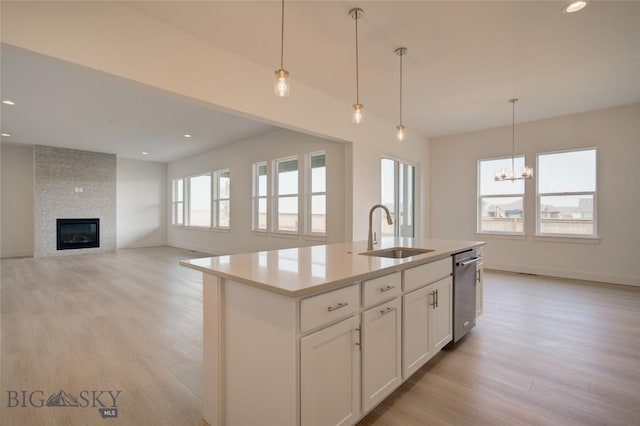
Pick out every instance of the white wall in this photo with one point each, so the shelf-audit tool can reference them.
(141, 203)
(16, 227)
(616, 135)
(83, 33)
(239, 158)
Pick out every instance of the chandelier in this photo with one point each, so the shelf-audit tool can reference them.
(527, 172)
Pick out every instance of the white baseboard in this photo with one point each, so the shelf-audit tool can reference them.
(561, 273)
(194, 248)
(13, 254)
(142, 245)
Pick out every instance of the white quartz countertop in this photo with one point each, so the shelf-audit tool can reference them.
(303, 271)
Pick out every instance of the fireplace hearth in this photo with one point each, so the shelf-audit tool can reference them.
(77, 233)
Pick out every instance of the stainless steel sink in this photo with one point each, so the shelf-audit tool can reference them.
(397, 252)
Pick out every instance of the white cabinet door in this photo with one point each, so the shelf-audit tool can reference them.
(381, 352)
(330, 375)
(416, 347)
(440, 319)
(427, 325)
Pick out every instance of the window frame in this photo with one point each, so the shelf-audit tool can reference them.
(275, 223)
(401, 191)
(256, 197)
(216, 198)
(594, 194)
(480, 198)
(309, 194)
(188, 201)
(177, 204)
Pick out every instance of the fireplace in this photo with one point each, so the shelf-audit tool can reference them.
(78, 233)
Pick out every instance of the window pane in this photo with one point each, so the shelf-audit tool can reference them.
(262, 213)
(223, 213)
(318, 213)
(200, 200)
(566, 214)
(288, 177)
(573, 171)
(179, 214)
(224, 184)
(318, 173)
(288, 214)
(488, 170)
(404, 214)
(261, 173)
(387, 183)
(501, 214)
(178, 189)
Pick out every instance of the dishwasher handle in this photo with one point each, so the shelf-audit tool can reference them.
(468, 261)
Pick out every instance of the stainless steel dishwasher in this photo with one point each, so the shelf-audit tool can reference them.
(464, 293)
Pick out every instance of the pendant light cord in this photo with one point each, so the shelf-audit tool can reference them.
(513, 137)
(357, 70)
(282, 39)
(401, 55)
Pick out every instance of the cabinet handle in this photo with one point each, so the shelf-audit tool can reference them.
(338, 306)
(386, 311)
(358, 331)
(386, 288)
(437, 298)
(433, 304)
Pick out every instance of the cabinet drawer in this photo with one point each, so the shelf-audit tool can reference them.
(324, 308)
(380, 289)
(424, 274)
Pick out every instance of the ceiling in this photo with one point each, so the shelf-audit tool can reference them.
(465, 61)
(69, 106)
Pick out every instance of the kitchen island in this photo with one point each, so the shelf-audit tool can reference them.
(320, 335)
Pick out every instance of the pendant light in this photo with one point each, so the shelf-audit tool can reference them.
(357, 117)
(400, 129)
(281, 87)
(527, 172)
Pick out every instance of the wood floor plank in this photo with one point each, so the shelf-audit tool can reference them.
(546, 351)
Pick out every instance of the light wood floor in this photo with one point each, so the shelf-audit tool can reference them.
(546, 351)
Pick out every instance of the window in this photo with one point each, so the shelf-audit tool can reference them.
(222, 199)
(286, 189)
(398, 194)
(317, 194)
(500, 204)
(260, 186)
(566, 196)
(177, 201)
(199, 204)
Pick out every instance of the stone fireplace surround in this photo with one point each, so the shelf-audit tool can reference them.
(73, 184)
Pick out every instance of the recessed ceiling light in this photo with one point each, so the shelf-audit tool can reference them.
(575, 6)
(145, 153)
(8, 102)
(6, 135)
(187, 135)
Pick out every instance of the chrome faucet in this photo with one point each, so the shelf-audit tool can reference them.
(389, 221)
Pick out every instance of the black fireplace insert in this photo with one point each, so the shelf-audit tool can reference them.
(78, 233)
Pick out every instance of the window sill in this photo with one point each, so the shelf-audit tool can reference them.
(501, 235)
(567, 239)
(286, 235)
(223, 230)
(197, 228)
(312, 237)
